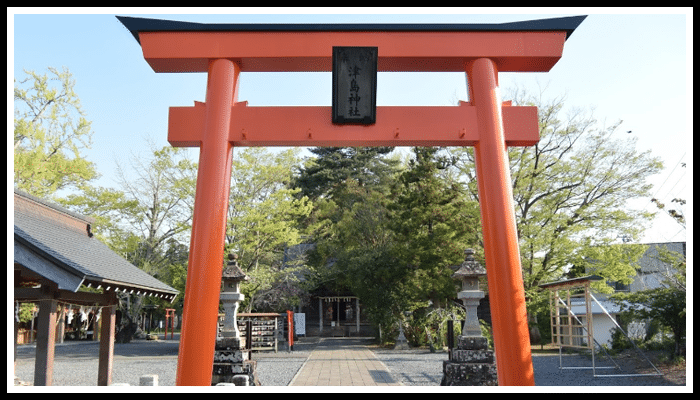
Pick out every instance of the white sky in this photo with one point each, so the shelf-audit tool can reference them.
(631, 64)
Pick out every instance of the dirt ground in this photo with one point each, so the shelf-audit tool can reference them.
(674, 372)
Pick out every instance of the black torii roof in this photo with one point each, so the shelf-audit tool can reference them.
(136, 25)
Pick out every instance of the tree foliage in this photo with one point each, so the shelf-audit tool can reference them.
(161, 189)
(339, 179)
(665, 304)
(50, 131)
(677, 215)
(572, 188)
(109, 207)
(349, 228)
(358, 253)
(393, 245)
(324, 175)
(146, 221)
(263, 220)
(615, 263)
(434, 223)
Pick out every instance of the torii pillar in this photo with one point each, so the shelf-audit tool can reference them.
(226, 50)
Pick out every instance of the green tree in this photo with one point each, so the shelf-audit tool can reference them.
(337, 179)
(393, 246)
(434, 222)
(571, 189)
(50, 131)
(665, 304)
(349, 228)
(332, 166)
(110, 208)
(146, 222)
(263, 220)
(162, 189)
(358, 253)
(615, 263)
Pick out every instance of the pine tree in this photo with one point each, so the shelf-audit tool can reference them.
(433, 222)
(324, 175)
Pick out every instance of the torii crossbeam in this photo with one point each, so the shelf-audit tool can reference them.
(223, 51)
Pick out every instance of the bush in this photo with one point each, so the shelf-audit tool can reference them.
(487, 332)
(619, 340)
(432, 322)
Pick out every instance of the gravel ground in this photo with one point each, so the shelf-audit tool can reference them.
(75, 364)
(422, 368)
(413, 367)
(278, 369)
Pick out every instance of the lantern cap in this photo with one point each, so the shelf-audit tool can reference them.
(470, 267)
(232, 271)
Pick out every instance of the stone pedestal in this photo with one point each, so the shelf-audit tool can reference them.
(231, 364)
(471, 364)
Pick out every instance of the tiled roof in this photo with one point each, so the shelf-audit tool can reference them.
(76, 252)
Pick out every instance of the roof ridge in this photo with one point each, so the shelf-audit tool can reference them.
(54, 206)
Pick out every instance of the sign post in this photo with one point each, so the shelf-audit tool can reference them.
(354, 85)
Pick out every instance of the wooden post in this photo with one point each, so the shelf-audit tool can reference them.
(106, 354)
(16, 329)
(45, 339)
(320, 317)
(589, 316)
(357, 315)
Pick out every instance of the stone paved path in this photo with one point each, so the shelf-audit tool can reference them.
(343, 362)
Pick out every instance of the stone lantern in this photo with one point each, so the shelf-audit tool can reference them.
(469, 272)
(232, 363)
(231, 297)
(471, 363)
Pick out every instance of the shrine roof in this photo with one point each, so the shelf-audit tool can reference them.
(57, 244)
(135, 25)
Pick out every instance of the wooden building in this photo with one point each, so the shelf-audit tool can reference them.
(55, 254)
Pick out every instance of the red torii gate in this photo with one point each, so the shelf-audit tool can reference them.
(226, 50)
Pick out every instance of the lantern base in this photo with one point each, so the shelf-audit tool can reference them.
(471, 364)
(231, 362)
